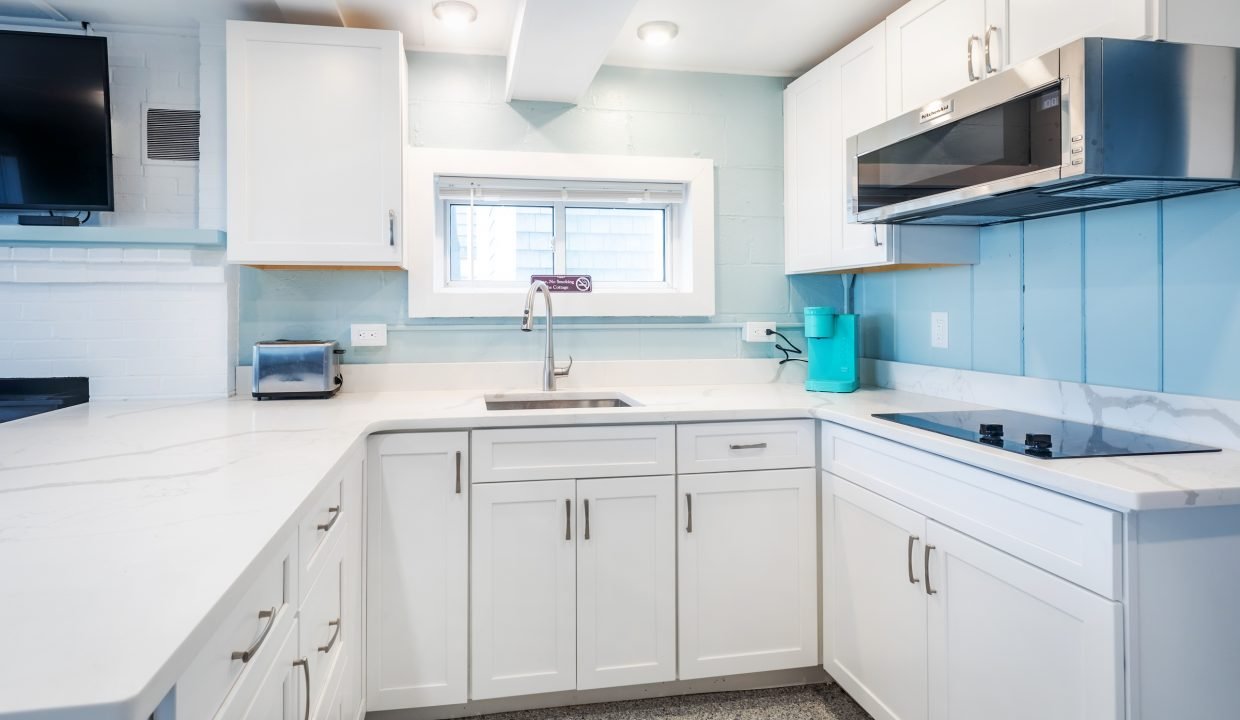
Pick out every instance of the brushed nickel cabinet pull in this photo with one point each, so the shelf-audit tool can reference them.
(391, 228)
(972, 75)
(335, 511)
(458, 472)
(587, 532)
(245, 655)
(568, 519)
(689, 512)
(929, 590)
(911, 539)
(330, 643)
(305, 670)
(990, 67)
(750, 446)
(874, 230)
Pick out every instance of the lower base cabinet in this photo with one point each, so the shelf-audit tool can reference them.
(922, 621)
(748, 572)
(572, 585)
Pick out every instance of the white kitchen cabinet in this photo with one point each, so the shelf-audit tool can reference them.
(417, 570)
(1034, 27)
(843, 96)
(279, 693)
(316, 136)
(523, 594)
(874, 619)
(626, 581)
(747, 572)
(1008, 640)
(934, 47)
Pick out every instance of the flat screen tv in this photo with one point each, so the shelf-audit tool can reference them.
(55, 122)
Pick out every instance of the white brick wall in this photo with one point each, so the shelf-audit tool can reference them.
(157, 69)
(139, 322)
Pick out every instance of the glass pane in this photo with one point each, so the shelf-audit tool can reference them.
(1017, 137)
(508, 243)
(616, 244)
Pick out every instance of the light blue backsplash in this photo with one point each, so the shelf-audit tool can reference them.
(457, 101)
(1145, 296)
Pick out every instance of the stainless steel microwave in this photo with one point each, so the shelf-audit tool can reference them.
(1096, 123)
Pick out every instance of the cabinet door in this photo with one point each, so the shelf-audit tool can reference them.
(1010, 641)
(626, 581)
(417, 570)
(281, 692)
(1037, 26)
(524, 589)
(810, 124)
(315, 144)
(874, 604)
(860, 71)
(748, 572)
(928, 45)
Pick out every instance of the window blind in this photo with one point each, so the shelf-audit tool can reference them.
(554, 191)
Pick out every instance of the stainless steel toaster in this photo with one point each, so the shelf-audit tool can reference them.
(296, 369)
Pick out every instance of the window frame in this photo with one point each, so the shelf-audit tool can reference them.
(689, 288)
(559, 235)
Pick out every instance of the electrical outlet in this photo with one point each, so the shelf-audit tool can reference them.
(756, 332)
(938, 330)
(372, 335)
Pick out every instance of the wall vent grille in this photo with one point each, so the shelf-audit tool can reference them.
(172, 134)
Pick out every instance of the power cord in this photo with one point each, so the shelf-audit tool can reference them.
(787, 351)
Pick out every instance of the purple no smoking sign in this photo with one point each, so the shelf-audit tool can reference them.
(566, 283)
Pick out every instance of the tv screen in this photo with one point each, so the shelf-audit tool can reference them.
(55, 127)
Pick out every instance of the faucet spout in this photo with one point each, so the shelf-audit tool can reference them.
(550, 371)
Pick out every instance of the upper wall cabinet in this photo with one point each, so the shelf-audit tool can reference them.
(841, 97)
(934, 47)
(316, 138)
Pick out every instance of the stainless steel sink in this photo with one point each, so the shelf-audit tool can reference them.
(557, 401)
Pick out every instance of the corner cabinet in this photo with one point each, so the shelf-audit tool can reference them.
(317, 123)
(842, 96)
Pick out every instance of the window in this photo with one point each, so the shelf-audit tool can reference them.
(642, 228)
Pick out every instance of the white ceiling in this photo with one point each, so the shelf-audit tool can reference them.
(771, 37)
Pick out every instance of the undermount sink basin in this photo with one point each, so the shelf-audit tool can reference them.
(557, 401)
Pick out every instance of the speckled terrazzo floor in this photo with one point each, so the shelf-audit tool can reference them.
(809, 702)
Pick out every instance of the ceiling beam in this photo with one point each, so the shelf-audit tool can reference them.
(311, 12)
(559, 45)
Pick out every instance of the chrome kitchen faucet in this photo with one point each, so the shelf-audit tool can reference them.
(550, 371)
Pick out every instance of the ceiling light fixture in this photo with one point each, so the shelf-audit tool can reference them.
(455, 13)
(659, 32)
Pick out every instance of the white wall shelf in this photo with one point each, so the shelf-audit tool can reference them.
(90, 236)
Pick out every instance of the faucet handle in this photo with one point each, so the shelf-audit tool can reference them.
(561, 372)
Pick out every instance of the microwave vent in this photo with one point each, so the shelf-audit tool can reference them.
(1136, 190)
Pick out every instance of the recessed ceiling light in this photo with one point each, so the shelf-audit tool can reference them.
(659, 32)
(455, 13)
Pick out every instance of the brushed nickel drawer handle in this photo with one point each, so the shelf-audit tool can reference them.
(911, 539)
(990, 67)
(689, 512)
(587, 534)
(330, 643)
(929, 590)
(568, 519)
(458, 472)
(335, 511)
(972, 75)
(245, 655)
(750, 446)
(305, 669)
(391, 228)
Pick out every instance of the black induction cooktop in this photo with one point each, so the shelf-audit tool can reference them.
(1039, 436)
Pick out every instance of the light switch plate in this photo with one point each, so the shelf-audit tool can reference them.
(756, 332)
(368, 335)
(938, 330)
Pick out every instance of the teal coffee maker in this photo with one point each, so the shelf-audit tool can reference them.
(832, 340)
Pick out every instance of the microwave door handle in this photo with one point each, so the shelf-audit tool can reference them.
(973, 39)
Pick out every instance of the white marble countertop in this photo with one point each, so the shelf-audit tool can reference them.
(124, 525)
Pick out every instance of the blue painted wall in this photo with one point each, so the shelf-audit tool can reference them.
(457, 101)
(1145, 296)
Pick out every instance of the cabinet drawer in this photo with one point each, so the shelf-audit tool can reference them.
(573, 452)
(272, 688)
(323, 631)
(1073, 539)
(323, 523)
(253, 623)
(725, 447)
